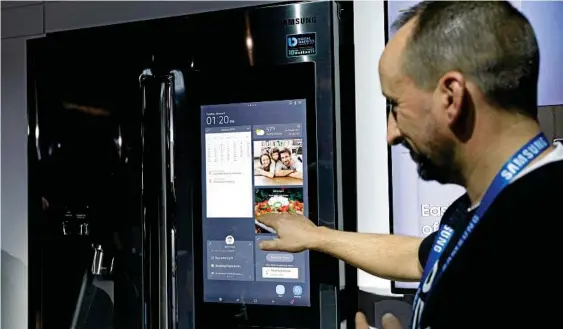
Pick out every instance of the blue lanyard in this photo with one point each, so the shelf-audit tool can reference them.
(511, 169)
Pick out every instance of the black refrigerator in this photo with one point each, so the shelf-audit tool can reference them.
(154, 146)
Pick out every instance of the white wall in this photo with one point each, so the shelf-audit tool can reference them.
(21, 21)
(13, 226)
(14, 183)
(371, 127)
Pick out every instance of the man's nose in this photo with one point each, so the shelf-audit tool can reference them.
(394, 136)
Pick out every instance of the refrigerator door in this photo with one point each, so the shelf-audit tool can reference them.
(248, 82)
(126, 133)
(159, 289)
(86, 206)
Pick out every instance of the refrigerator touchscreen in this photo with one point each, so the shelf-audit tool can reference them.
(254, 163)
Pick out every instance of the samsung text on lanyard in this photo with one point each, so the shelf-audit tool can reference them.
(509, 170)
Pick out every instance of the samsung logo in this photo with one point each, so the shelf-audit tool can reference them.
(299, 21)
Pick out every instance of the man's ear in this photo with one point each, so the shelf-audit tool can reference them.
(452, 95)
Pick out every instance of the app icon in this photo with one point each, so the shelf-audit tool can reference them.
(280, 290)
(230, 240)
(297, 290)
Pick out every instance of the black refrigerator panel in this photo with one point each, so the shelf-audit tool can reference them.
(257, 129)
(86, 203)
(154, 146)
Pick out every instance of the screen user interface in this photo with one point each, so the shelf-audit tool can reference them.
(254, 163)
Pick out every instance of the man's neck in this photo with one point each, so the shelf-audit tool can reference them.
(489, 151)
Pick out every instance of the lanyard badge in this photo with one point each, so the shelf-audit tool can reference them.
(432, 273)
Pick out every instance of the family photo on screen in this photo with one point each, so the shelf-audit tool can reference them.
(278, 162)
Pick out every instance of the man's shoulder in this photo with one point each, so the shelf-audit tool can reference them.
(531, 201)
(544, 183)
(460, 205)
(539, 183)
(495, 257)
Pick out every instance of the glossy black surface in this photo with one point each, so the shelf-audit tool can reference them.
(247, 63)
(85, 165)
(127, 85)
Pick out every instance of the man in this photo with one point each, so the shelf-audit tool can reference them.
(461, 78)
(287, 166)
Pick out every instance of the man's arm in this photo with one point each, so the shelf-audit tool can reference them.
(298, 174)
(392, 257)
(284, 172)
(387, 256)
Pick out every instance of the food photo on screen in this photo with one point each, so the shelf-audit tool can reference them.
(278, 162)
(276, 200)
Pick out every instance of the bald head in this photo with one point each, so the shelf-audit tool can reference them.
(390, 63)
(501, 56)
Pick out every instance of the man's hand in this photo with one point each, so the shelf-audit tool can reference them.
(296, 233)
(361, 321)
(389, 321)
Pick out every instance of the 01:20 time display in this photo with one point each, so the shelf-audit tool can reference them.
(219, 120)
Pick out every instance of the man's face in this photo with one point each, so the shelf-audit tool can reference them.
(415, 118)
(285, 158)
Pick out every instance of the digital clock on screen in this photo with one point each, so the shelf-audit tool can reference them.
(219, 120)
